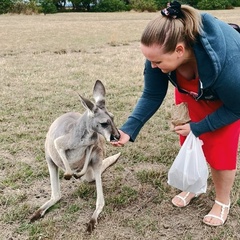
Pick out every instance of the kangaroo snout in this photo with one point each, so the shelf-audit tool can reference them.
(115, 136)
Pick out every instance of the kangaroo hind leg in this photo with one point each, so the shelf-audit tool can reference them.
(55, 191)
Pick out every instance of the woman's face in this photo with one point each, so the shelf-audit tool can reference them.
(167, 62)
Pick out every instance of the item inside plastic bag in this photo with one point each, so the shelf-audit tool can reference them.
(189, 171)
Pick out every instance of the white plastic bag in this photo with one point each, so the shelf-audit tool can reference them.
(189, 171)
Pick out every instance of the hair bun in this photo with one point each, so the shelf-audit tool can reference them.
(173, 10)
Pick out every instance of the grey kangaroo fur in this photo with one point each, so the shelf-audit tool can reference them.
(75, 143)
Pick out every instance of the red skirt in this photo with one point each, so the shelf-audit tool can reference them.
(220, 147)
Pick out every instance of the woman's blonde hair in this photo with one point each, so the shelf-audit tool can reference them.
(168, 32)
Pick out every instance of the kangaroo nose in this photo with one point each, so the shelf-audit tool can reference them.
(115, 137)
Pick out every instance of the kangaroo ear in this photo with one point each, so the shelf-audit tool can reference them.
(87, 104)
(99, 93)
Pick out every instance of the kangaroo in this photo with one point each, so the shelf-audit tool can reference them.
(75, 143)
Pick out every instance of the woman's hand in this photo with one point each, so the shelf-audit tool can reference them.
(124, 138)
(183, 130)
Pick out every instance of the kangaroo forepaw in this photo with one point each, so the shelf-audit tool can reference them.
(67, 176)
(91, 226)
(77, 175)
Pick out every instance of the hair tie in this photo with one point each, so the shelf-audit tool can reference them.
(173, 10)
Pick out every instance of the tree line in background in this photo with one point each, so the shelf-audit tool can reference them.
(54, 6)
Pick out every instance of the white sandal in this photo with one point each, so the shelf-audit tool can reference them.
(185, 203)
(224, 206)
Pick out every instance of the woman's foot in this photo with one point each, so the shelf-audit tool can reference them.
(183, 199)
(218, 215)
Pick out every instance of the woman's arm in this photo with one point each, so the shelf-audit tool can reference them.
(227, 87)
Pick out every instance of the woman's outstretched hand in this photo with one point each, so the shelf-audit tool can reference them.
(124, 138)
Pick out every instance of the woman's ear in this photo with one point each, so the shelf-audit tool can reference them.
(180, 49)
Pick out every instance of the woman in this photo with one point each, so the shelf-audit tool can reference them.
(199, 55)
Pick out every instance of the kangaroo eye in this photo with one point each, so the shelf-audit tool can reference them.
(104, 125)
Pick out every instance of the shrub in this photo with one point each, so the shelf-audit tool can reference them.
(111, 6)
(213, 4)
(21, 7)
(83, 5)
(48, 6)
(18, 7)
(235, 3)
(161, 4)
(144, 5)
(5, 6)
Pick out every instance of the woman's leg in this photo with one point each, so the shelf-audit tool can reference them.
(223, 181)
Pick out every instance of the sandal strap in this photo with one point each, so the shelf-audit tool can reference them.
(223, 206)
(183, 198)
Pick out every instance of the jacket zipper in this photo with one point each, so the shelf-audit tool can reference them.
(200, 92)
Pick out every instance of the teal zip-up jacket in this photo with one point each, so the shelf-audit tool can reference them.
(217, 51)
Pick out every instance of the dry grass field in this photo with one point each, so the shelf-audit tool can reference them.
(44, 62)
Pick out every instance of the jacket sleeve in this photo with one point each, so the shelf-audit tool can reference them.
(227, 88)
(155, 89)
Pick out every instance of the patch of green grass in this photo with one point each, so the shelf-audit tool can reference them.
(16, 214)
(73, 208)
(37, 230)
(124, 197)
(85, 191)
(158, 180)
(153, 177)
(119, 168)
(13, 199)
(23, 173)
